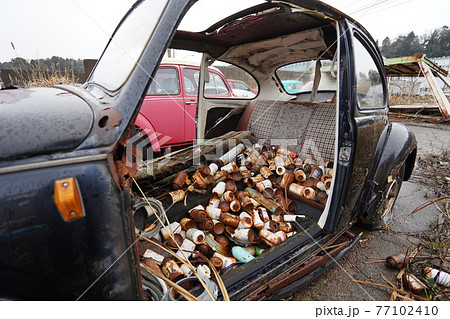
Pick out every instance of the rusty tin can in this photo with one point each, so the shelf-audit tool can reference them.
(228, 196)
(269, 237)
(230, 185)
(176, 196)
(279, 160)
(251, 160)
(209, 179)
(222, 241)
(198, 213)
(217, 262)
(261, 186)
(264, 214)
(289, 163)
(267, 173)
(280, 170)
(171, 270)
(281, 234)
(225, 206)
(219, 189)
(396, 261)
(185, 248)
(287, 179)
(213, 168)
(231, 154)
(180, 180)
(298, 162)
(245, 220)
(219, 175)
(286, 227)
(272, 226)
(213, 212)
(316, 172)
(235, 205)
(414, 283)
(199, 180)
(172, 228)
(230, 168)
(187, 223)
(256, 219)
(214, 202)
(230, 219)
(269, 204)
(175, 243)
(290, 205)
(321, 197)
(203, 249)
(300, 175)
(245, 234)
(195, 235)
(287, 152)
(309, 193)
(205, 170)
(207, 225)
(218, 227)
(254, 180)
(245, 201)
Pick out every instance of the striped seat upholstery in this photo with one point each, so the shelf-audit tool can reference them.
(307, 129)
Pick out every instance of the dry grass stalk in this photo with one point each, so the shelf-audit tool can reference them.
(429, 203)
(434, 252)
(399, 291)
(38, 75)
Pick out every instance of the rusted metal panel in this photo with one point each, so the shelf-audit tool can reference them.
(408, 66)
(296, 274)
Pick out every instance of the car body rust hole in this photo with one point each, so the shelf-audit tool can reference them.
(103, 121)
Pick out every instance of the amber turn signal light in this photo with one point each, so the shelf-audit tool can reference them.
(68, 199)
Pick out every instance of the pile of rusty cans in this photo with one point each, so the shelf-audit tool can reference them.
(248, 208)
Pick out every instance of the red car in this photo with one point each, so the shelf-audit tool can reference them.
(241, 85)
(168, 113)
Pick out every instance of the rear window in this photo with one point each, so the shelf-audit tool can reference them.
(216, 85)
(241, 83)
(299, 77)
(165, 82)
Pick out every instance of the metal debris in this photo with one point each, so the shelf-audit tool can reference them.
(247, 209)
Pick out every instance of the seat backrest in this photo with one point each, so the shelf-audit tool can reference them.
(308, 129)
(318, 141)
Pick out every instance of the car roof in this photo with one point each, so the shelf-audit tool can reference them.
(166, 60)
(174, 61)
(260, 22)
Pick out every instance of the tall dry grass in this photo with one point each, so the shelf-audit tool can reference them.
(39, 75)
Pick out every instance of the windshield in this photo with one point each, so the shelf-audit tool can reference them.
(127, 44)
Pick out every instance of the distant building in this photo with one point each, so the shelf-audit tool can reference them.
(419, 85)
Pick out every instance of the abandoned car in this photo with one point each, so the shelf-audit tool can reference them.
(173, 95)
(258, 207)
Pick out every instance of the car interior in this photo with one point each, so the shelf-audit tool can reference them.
(303, 49)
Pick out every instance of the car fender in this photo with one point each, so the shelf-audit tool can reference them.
(150, 131)
(397, 146)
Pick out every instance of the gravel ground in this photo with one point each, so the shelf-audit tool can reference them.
(403, 235)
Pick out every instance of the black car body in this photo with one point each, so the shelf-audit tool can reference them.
(50, 134)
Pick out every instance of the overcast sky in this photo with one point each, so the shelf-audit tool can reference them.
(80, 28)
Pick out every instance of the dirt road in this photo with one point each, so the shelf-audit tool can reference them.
(403, 235)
